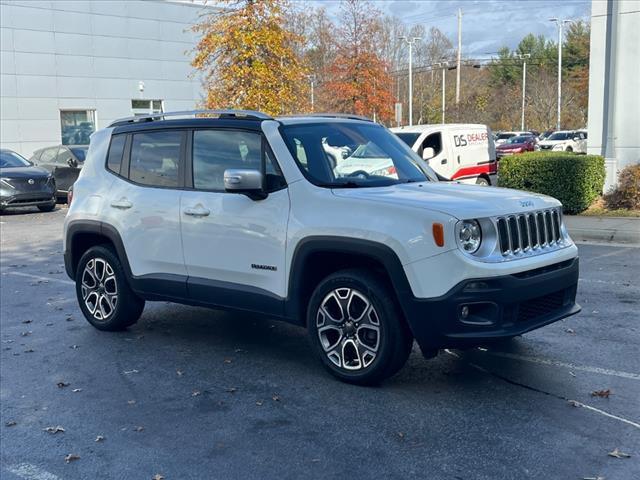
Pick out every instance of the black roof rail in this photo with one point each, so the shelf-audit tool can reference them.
(330, 115)
(248, 114)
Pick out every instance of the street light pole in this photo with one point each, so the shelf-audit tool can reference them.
(560, 24)
(312, 80)
(524, 84)
(410, 42)
(444, 66)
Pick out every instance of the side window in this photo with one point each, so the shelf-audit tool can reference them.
(49, 155)
(215, 151)
(155, 157)
(434, 141)
(274, 178)
(116, 149)
(63, 157)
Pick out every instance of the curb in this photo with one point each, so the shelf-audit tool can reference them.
(620, 230)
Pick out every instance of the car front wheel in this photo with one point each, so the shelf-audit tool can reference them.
(104, 295)
(356, 327)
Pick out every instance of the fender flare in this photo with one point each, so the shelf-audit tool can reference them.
(377, 251)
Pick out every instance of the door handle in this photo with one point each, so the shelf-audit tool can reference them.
(443, 161)
(198, 211)
(122, 204)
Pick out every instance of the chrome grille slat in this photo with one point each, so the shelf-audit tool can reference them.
(527, 232)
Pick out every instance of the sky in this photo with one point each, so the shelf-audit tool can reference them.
(487, 25)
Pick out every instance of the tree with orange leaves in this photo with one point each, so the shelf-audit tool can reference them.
(247, 58)
(359, 78)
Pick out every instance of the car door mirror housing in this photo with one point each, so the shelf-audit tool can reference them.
(428, 153)
(246, 181)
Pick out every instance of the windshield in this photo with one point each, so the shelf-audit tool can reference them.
(408, 138)
(353, 155)
(504, 136)
(560, 136)
(79, 152)
(10, 159)
(519, 139)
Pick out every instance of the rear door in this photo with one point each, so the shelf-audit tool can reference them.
(143, 205)
(234, 247)
(66, 169)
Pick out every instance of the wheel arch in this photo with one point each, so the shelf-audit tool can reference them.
(315, 258)
(81, 235)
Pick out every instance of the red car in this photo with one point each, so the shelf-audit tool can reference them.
(519, 144)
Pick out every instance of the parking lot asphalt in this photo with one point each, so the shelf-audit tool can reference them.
(194, 393)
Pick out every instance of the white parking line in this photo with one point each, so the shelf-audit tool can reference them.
(573, 402)
(570, 366)
(31, 472)
(39, 277)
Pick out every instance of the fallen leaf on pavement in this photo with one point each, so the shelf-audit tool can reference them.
(128, 372)
(54, 429)
(157, 476)
(76, 390)
(179, 373)
(618, 454)
(71, 457)
(601, 393)
(259, 403)
(139, 429)
(593, 478)
(573, 403)
(26, 334)
(27, 321)
(570, 330)
(276, 398)
(99, 438)
(231, 390)
(62, 384)
(195, 393)
(131, 402)
(228, 360)
(29, 350)
(11, 423)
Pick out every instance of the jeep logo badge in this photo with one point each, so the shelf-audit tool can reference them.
(526, 203)
(30, 181)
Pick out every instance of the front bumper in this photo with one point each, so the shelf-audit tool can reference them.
(32, 199)
(498, 307)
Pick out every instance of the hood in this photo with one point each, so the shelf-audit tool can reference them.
(509, 146)
(23, 172)
(460, 200)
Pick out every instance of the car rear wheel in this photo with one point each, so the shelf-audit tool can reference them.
(356, 328)
(483, 181)
(104, 295)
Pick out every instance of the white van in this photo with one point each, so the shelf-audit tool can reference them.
(463, 152)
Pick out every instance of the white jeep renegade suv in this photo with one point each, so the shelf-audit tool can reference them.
(238, 210)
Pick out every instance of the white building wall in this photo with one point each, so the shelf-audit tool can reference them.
(614, 85)
(60, 55)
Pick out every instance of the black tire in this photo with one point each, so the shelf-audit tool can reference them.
(569, 149)
(113, 283)
(483, 181)
(393, 338)
(47, 208)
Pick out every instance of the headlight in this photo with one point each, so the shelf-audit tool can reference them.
(469, 236)
(6, 184)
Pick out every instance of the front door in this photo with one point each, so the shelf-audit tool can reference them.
(234, 247)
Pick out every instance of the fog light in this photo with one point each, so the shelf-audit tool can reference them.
(464, 312)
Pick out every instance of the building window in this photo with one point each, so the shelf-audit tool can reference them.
(77, 126)
(146, 107)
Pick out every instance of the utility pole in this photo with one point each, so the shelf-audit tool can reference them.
(444, 66)
(524, 83)
(459, 56)
(312, 80)
(560, 24)
(410, 42)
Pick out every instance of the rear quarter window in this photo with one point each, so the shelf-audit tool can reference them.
(116, 151)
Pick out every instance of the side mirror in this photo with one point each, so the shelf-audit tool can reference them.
(246, 181)
(428, 153)
(576, 139)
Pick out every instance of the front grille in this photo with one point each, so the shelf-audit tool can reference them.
(529, 231)
(538, 307)
(18, 201)
(22, 184)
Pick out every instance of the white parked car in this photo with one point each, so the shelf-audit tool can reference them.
(565, 141)
(242, 211)
(462, 152)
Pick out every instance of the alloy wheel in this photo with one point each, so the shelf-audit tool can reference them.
(349, 329)
(99, 288)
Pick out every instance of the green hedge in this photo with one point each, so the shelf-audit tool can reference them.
(575, 180)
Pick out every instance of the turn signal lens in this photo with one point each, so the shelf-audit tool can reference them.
(438, 234)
